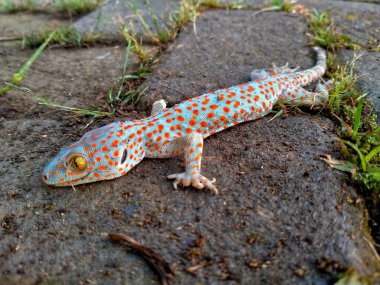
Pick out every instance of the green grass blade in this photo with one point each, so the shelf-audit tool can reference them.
(19, 76)
(47, 102)
(372, 153)
(358, 116)
(363, 161)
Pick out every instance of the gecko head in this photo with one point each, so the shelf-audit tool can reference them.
(101, 154)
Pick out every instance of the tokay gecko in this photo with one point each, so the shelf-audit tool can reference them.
(112, 150)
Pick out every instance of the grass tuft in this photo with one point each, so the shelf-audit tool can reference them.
(76, 7)
(71, 7)
(122, 94)
(360, 134)
(324, 34)
(67, 37)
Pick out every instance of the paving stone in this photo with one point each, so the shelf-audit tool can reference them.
(21, 24)
(105, 19)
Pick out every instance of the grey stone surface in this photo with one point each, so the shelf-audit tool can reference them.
(105, 19)
(367, 67)
(21, 24)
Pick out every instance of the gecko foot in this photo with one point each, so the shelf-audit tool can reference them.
(198, 181)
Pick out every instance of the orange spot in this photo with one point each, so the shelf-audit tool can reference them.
(237, 103)
(139, 140)
(223, 118)
(180, 118)
(139, 132)
(250, 89)
(205, 102)
(264, 104)
(103, 141)
(158, 138)
(93, 145)
(116, 142)
(104, 148)
(172, 128)
(160, 128)
(189, 130)
(231, 95)
(203, 124)
(210, 115)
(116, 153)
(110, 162)
(213, 106)
(96, 175)
(226, 109)
(98, 159)
(167, 115)
(168, 120)
(179, 127)
(149, 135)
(196, 112)
(256, 98)
(103, 167)
(192, 122)
(131, 136)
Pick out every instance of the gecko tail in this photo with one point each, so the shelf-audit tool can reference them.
(321, 60)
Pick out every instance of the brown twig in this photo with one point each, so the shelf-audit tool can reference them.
(163, 268)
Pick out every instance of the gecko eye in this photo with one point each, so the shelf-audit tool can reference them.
(77, 162)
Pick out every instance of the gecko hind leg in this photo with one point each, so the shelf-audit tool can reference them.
(300, 96)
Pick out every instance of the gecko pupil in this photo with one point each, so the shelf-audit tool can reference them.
(124, 156)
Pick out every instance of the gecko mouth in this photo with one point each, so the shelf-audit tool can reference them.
(73, 182)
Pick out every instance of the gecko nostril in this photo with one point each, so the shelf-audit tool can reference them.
(44, 178)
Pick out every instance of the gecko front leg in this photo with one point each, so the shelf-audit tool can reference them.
(192, 145)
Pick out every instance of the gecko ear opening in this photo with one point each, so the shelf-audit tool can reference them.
(124, 156)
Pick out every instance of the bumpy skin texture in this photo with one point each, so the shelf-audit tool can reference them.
(111, 151)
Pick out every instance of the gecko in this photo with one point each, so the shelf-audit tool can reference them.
(114, 149)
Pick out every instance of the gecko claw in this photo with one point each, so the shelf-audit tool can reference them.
(197, 181)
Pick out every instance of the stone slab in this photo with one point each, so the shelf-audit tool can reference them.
(21, 24)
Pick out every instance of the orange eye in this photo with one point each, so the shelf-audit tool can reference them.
(77, 162)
